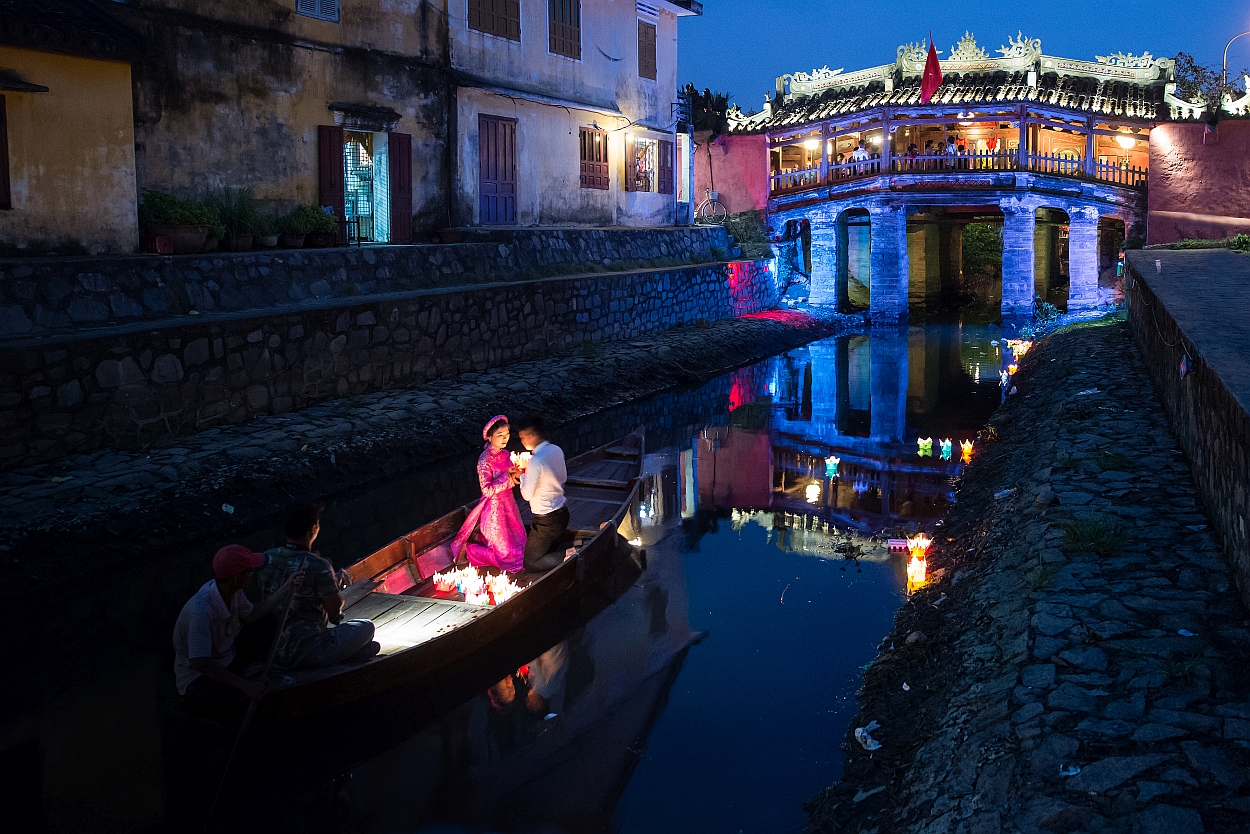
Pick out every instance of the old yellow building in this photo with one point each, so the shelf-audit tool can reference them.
(67, 161)
(338, 103)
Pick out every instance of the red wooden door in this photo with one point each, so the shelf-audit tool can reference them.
(399, 154)
(330, 169)
(496, 154)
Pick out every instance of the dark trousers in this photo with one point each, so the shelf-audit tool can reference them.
(546, 532)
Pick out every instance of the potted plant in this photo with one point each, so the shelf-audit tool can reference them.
(317, 227)
(266, 229)
(187, 222)
(237, 212)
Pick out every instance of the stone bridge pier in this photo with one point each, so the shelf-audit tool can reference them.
(889, 252)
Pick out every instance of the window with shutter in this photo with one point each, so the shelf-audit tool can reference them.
(320, 9)
(646, 50)
(6, 195)
(666, 167)
(564, 27)
(594, 158)
(501, 18)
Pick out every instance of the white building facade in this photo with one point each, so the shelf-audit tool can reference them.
(567, 113)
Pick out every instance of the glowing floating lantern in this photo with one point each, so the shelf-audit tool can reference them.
(965, 448)
(813, 492)
(917, 566)
(924, 447)
(831, 466)
(946, 449)
(1012, 368)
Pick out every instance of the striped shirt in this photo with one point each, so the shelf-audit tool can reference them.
(207, 628)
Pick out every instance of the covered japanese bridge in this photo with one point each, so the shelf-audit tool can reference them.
(1054, 149)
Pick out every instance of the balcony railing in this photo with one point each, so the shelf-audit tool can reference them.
(1001, 160)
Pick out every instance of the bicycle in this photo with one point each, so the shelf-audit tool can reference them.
(711, 211)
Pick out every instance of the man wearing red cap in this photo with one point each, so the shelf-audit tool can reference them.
(209, 624)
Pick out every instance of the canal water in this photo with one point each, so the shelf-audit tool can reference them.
(713, 694)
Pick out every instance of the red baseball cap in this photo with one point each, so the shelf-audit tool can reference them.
(233, 559)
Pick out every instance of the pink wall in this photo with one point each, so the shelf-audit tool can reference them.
(739, 168)
(1199, 190)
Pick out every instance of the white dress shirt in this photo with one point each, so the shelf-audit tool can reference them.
(542, 482)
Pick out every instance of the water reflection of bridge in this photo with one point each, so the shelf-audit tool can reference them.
(863, 400)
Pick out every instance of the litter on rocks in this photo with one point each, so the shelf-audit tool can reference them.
(228, 509)
(906, 688)
(1006, 492)
(865, 740)
(940, 600)
(1069, 770)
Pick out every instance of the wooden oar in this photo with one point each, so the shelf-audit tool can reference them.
(255, 702)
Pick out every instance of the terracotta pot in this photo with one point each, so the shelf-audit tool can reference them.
(269, 241)
(320, 239)
(188, 240)
(210, 244)
(238, 243)
(290, 240)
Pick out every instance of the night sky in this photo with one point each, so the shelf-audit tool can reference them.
(741, 46)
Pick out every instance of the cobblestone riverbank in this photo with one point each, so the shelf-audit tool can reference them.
(67, 519)
(1083, 662)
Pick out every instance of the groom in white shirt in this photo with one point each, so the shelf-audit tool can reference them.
(542, 485)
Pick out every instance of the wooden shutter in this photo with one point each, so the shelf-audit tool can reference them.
(330, 168)
(6, 195)
(496, 17)
(564, 27)
(594, 158)
(328, 9)
(399, 155)
(496, 155)
(646, 50)
(306, 7)
(666, 167)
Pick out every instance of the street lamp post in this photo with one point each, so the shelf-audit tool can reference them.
(1224, 75)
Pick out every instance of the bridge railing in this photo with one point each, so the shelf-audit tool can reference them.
(975, 161)
(999, 160)
(1120, 175)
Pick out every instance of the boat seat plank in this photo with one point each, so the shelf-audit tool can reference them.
(357, 591)
(626, 451)
(608, 470)
(604, 483)
(582, 492)
(587, 516)
(402, 613)
(430, 622)
(371, 607)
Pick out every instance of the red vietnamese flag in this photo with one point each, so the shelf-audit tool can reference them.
(932, 78)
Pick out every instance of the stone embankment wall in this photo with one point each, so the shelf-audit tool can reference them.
(62, 295)
(1211, 424)
(75, 393)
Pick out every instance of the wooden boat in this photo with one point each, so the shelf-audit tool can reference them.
(426, 635)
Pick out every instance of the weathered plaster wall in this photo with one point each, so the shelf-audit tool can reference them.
(739, 168)
(70, 394)
(1199, 184)
(71, 156)
(549, 188)
(605, 77)
(233, 95)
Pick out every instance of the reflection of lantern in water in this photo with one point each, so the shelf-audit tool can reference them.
(1019, 347)
(946, 449)
(924, 447)
(860, 486)
(831, 466)
(917, 565)
(813, 492)
(1004, 378)
(1012, 368)
(965, 447)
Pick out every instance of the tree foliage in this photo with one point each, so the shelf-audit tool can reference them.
(708, 110)
(983, 249)
(1204, 84)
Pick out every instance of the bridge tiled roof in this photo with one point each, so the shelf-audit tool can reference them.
(1080, 94)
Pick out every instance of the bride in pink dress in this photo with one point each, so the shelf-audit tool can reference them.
(496, 515)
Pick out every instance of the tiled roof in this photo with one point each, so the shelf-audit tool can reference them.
(1081, 94)
(76, 27)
